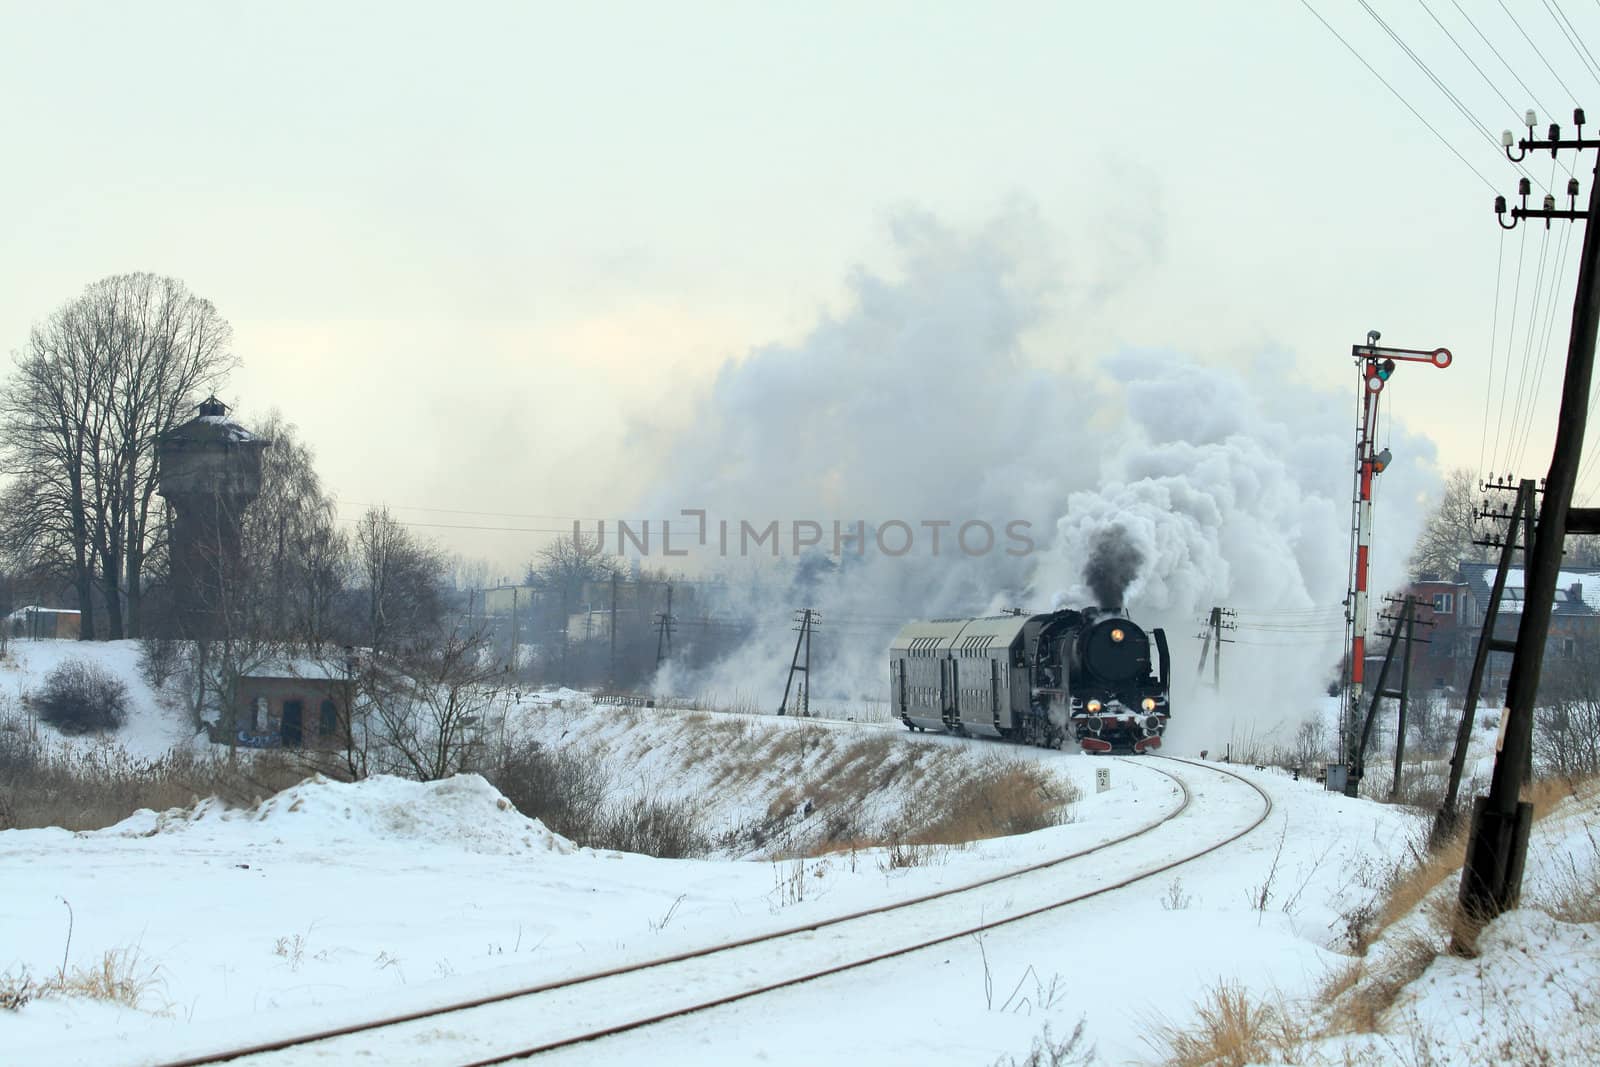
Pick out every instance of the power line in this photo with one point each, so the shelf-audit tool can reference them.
(459, 511)
(1441, 138)
(1452, 37)
(1482, 74)
(1552, 303)
(1494, 328)
(1513, 70)
(1505, 374)
(460, 526)
(1571, 34)
(1438, 83)
(1537, 51)
(1532, 330)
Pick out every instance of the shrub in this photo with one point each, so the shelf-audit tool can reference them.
(571, 795)
(80, 697)
(159, 659)
(561, 789)
(669, 829)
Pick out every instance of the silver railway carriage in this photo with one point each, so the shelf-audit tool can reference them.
(1081, 676)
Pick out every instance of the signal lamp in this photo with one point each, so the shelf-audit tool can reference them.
(1385, 369)
(1381, 460)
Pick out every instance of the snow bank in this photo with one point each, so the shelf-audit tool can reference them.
(463, 812)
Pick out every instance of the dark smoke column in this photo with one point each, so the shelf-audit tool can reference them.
(1113, 564)
(210, 471)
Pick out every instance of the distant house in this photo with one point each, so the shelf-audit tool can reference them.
(36, 622)
(292, 703)
(1446, 661)
(1574, 618)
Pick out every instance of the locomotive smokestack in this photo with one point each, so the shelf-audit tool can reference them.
(1113, 564)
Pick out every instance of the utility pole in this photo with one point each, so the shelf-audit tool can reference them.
(805, 621)
(1408, 619)
(613, 679)
(1491, 880)
(1374, 366)
(1219, 620)
(514, 629)
(664, 627)
(1519, 519)
(1357, 767)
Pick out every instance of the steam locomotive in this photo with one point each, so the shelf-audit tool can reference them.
(1084, 676)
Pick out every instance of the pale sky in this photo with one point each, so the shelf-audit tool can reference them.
(482, 253)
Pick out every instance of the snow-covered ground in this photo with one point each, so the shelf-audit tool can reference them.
(156, 723)
(335, 902)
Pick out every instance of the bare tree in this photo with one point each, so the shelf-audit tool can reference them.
(1447, 537)
(563, 565)
(295, 554)
(1566, 724)
(97, 384)
(403, 578)
(424, 713)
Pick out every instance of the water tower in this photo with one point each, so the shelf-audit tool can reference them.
(210, 471)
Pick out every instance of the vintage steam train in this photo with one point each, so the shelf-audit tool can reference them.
(1081, 676)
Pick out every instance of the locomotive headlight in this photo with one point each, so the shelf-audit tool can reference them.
(1094, 707)
(1117, 635)
(1148, 703)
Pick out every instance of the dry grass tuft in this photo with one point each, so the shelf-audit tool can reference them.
(120, 976)
(1006, 796)
(1409, 887)
(88, 788)
(1233, 1030)
(1359, 1007)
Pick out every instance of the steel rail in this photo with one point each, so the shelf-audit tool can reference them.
(299, 1040)
(982, 927)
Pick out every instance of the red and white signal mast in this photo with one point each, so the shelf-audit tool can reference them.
(1375, 365)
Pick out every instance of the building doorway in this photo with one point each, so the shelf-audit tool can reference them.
(291, 727)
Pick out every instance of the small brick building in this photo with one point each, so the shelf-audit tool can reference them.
(296, 703)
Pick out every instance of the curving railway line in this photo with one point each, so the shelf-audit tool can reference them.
(1214, 808)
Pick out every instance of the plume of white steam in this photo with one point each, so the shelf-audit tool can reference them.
(917, 403)
(1236, 492)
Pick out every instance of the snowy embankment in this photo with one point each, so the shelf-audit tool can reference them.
(333, 902)
(156, 724)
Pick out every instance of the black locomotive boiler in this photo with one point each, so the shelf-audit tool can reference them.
(1081, 676)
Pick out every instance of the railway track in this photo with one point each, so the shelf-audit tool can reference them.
(561, 1013)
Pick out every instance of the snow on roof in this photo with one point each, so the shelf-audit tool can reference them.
(1480, 577)
(298, 667)
(34, 609)
(234, 431)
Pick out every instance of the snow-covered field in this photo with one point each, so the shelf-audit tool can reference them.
(333, 902)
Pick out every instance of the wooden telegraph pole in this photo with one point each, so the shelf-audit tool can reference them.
(1491, 880)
